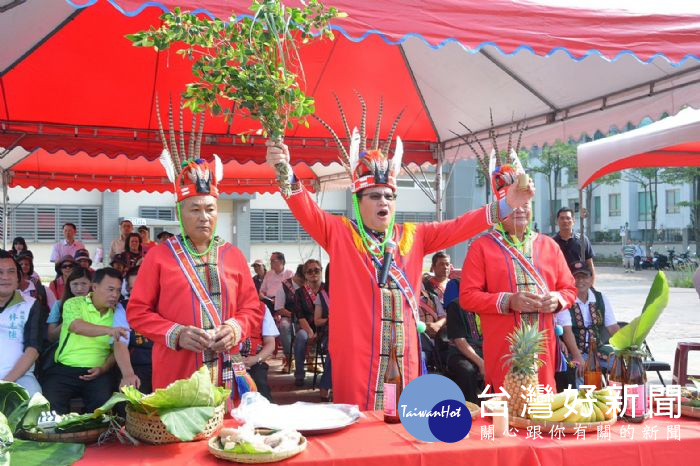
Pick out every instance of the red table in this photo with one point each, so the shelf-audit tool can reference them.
(373, 443)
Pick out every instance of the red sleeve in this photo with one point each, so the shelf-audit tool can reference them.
(314, 220)
(141, 311)
(248, 312)
(473, 294)
(441, 235)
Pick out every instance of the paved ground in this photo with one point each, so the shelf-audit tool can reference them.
(626, 292)
(680, 321)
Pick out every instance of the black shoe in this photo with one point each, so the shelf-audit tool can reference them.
(299, 382)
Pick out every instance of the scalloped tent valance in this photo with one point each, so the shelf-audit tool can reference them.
(69, 80)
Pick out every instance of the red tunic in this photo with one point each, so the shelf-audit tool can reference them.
(355, 329)
(162, 299)
(487, 275)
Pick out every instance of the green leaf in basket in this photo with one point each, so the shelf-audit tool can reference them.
(109, 404)
(186, 423)
(195, 391)
(6, 439)
(37, 404)
(634, 333)
(29, 453)
(247, 448)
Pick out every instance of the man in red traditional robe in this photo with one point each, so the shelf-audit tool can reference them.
(514, 274)
(364, 310)
(194, 297)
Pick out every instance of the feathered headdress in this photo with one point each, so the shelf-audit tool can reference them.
(371, 167)
(500, 173)
(190, 174)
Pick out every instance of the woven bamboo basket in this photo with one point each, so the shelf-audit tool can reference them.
(150, 429)
(474, 409)
(87, 436)
(253, 458)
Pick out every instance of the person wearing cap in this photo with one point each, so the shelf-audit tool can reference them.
(82, 257)
(68, 245)
(260, 270)
(63, 268)
(20, 328)
(194, 297)
(163, 235)
(377, 264)
(146, 243)
(119, 245)
(591, 314)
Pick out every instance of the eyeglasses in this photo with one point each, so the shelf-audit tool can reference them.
(377, 196)
(312, 271)
(67, 266)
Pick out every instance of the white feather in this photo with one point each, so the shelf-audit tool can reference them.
(167, 162)
(515, 161)
(354, 155)
(492, 162)
(218, 169)
(398, 157)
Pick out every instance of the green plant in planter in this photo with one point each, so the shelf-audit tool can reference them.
(253, 62)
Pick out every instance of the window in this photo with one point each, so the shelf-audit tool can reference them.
(403, 217)
(280, 226)
(673, 197)
(573, 204)
(44, 224)
(596, 210)
(645, 205)
(614, 201)
(157, 213)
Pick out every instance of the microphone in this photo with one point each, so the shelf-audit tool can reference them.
(386, 264)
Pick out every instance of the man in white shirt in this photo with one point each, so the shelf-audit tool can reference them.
(69, 245)
(118, 246)
(591, 314)
(275, 276)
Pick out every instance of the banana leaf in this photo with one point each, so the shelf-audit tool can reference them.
(634, 333)
(28, 453)
(82, 423)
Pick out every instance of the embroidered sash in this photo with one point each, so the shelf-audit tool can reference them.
(232, 366)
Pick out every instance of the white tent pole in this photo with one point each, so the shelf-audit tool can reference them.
(583, 227)
(438, 183)
(5, 216)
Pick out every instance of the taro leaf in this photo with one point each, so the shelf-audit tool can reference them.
(634, 333)
(36, 405)
(109, 404)
(186, 423)
(195, 391)
(28, 453)
(220, 395)
(13, 402)
(247, 448)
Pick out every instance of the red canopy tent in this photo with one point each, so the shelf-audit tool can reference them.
(72, 82)
(671, 142)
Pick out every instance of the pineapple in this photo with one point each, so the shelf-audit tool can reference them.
(525, 343)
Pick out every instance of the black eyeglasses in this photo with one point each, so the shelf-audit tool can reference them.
(312, 271)
(378, 196)
(67, 266)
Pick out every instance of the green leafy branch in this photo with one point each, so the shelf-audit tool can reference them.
(254, 62)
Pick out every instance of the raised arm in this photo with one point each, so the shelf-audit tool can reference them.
(315, 221)
(437, 236)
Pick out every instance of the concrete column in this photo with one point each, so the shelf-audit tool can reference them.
(240, 226)
(110, 221)
(460, 198)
